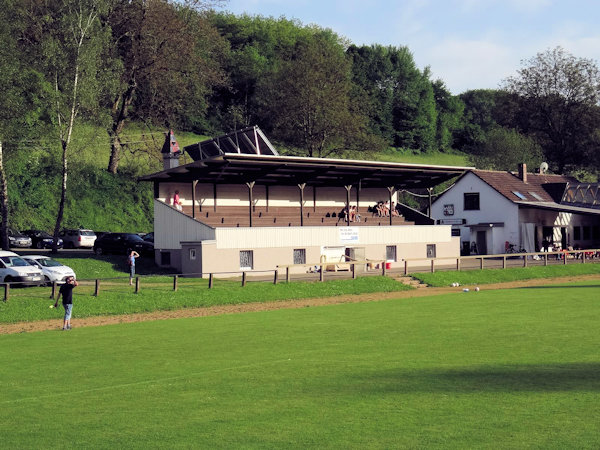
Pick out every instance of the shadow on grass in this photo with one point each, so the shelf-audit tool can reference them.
(518, 378)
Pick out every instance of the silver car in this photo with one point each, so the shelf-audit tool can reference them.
(78, 238)
(53, 270)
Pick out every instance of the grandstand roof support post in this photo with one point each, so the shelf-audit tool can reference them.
(250, 185)
(267, 196)
(194, 183)
(301, 186)
(215, 197)
(348, 189)
(314, 199)
(429, 190)
(358, 188)
(391, 192)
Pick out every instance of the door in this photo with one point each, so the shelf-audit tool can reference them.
(482, 242)
(563, 238)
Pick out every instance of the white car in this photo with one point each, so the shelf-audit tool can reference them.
(53, 270)
(14, 269)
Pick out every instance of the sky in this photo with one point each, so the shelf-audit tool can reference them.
(468, 44)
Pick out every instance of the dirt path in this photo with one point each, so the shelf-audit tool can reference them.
(25, 327)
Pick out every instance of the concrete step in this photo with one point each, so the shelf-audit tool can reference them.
(411, 282)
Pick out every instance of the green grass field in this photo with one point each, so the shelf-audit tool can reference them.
(494, 369)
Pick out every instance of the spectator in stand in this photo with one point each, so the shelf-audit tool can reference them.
(352, 213)
(177, 201)
(394, 211)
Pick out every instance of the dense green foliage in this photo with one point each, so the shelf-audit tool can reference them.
(495, 369)
(123, 68)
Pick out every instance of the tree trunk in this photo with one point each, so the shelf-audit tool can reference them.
(3, 204)
(120, 112)
(63, 196)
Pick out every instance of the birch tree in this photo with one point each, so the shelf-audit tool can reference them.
(65, 40)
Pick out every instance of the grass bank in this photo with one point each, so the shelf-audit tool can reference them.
(488, 276)
(117, 297)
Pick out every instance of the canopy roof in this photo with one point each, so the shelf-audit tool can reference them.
(274, 170)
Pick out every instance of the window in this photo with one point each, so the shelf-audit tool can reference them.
(246, 259)
(596, 232)
(431, 250)
(299, 256)
(455, 231)
(576, 233)
(471, 201)
(518, 194)
(587, 233)
(165, 258)
(192, 254)
(390, 253)
(536, 196)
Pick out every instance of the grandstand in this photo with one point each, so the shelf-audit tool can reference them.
(245, 207)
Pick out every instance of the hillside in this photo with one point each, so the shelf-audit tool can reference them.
(101, 201)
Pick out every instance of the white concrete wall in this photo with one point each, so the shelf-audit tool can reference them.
(225, 261)
(493, 208)
(171, 227)
(273, 237)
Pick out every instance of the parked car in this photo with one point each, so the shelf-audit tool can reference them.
(99, 234)
(149, 237)
(78, 238)
(53, 270)
(18, 239)
(120, 242)
(14, 269)
(41, 239)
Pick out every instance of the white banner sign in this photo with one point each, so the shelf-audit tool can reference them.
(349, 234)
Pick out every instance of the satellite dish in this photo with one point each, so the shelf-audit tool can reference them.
(544, 167)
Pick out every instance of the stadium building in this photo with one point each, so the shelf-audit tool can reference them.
(246, 208)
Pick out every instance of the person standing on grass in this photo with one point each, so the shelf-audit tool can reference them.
(66, 292)
(131, 256)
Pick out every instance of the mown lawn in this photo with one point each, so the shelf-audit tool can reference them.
(493, 369)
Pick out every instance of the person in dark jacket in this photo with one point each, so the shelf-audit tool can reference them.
(66, 292)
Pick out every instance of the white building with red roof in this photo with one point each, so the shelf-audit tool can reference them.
(493, 210)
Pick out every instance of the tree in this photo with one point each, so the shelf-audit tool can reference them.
(560, 95)
(64, 41)
(415, 115)
(449, 114)
(505, 149)
(258, 45)
(167, 64)
(309, 99)
(375, 72)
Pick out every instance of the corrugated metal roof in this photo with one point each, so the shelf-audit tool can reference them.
(271, 170)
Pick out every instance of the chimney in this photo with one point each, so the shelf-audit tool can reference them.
(170, 152)
(523, 172)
